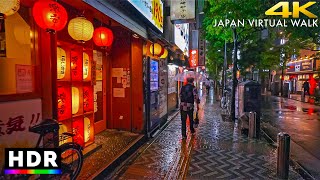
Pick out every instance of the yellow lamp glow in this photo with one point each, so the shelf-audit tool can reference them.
(61, 63)
(165, 54)
(9, 7)
(155, 49)
(80, 29)
(75, 100)
(85, 65)
(86, 129)
(62, 129)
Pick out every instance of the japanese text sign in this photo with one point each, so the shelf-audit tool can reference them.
(183, 11)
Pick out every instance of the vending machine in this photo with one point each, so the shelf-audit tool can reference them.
(154, 94)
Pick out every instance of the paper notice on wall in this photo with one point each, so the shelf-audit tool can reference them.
(117, 72)
(119, 92)
(24, 78)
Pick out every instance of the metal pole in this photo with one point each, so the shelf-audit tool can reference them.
(252, 124)
(283, 152)
(225, 65)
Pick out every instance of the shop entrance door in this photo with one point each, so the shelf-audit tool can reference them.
(99, 93)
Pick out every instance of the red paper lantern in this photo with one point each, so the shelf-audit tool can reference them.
(102, 36)
(49, 15)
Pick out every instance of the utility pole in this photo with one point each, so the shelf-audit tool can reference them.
(225, 65)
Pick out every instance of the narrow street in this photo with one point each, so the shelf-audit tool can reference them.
(216, 151)
(302, 122)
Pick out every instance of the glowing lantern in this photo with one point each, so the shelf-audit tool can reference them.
(61, 63)
(165, 54)
(75, 100)
(62, 129)
(103, 37)
(80, 29)
(9, 7)
(85, 65)
(49, 15)
(86, 129)
(156, 49)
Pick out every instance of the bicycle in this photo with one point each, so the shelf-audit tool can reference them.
(225, 102)
(70, 165)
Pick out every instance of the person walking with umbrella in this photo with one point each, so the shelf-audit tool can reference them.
(188, 95)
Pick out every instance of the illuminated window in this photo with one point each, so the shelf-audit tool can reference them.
(17, 75)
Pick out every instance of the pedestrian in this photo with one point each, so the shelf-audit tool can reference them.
(306, 87)
(188, 96)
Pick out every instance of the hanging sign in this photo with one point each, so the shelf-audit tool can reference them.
(202, 49)
(181, 37)
(193, 60)
(183, 11)
(151, 10)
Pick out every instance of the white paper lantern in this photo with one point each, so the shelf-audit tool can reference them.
(80, 29)
(9, 7)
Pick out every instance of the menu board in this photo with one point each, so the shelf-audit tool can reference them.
(154, 75)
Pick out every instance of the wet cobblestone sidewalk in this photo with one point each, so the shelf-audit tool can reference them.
(216, 151)
(113, 143)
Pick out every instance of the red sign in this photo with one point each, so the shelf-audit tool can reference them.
(193, 61)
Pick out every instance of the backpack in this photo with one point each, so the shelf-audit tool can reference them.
(187, 94)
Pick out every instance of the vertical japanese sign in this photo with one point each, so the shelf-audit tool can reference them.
(24, 78)
(182, 11)
(181, 37)
(15, 120)
(163, 77)
(152, 10)
(193, 60)
(202, 49)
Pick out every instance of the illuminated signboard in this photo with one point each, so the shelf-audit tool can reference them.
(300, 66)
(181, 37)
(193, 60)
(152, 10)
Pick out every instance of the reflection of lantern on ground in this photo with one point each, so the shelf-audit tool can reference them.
(85, 65)
(61, 63)
(75, 100)
(86, 129)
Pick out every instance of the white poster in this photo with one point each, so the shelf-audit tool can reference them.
(15, 119)
(181, 37)
(172, 84)
(183, 10)
(24, 78)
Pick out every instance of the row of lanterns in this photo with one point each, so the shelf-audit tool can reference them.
(52, 16)
(157, 50)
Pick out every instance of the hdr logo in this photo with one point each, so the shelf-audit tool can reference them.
(32, 161)
(296, 10)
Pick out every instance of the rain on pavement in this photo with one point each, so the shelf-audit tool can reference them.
(302, 122)
(216, 151)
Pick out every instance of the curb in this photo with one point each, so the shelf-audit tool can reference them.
(302, 171)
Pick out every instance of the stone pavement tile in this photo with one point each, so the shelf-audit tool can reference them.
(221, 152)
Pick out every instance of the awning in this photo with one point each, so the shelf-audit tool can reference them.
(109, 10)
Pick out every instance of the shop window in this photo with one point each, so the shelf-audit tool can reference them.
(17, 61)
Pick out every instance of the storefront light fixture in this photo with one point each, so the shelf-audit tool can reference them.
(103, 37)
(80, 29)
(49, 18)
(8, 7)
(135, 36)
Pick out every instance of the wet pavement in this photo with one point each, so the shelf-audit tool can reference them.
(216, 151)
(302, 122)
(113, 143)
